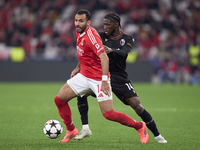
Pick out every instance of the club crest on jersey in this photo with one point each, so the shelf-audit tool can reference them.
(122, 42)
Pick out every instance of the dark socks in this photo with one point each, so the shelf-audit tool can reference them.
(151, 125)
(83, 109)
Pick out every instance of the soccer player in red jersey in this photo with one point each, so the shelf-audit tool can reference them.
(94, 75)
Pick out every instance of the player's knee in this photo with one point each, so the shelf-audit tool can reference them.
(139, 109)
(110, 115)
(59, 102)
(134, 102)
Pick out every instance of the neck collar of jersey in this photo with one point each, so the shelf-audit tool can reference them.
(82, 34)
(116, 38)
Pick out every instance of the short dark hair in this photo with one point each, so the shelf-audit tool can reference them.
(86, 12)
(113, 17)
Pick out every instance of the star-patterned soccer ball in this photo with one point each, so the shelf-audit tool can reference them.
(53, 129)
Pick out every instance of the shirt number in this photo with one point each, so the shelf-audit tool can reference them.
(98, 88)
(130, 87)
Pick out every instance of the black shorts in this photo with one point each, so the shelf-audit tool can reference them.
(123, 90)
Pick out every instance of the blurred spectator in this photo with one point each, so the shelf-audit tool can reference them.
(194, 61)
(26, 45)
(195, 78)
(40, 46)
(183, 74)
(168, 69)
(16, 39)
(17, 54)
(2, 36)
(194, 56)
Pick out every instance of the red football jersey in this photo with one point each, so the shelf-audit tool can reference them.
(89, 46)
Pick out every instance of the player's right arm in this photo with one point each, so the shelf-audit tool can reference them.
(105, 67)
(76, 70)
(97, 46)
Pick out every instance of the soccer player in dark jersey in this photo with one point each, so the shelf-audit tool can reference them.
(117, 46)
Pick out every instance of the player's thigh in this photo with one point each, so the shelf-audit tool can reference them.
(124, 91)
(105, 101)
(134, 102)
(66, 93)
(79, 84)
(95, 86)
(106, 106)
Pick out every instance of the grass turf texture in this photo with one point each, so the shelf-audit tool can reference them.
(25, 107)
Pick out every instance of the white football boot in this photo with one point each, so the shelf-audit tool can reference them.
(82, 134)
(160, 139)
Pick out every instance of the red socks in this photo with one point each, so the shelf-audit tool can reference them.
(64, 112)
(123, 119)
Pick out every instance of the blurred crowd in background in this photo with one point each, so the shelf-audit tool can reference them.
(166, 32)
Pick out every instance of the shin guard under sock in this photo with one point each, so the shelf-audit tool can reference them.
(64, 112)
(122, 118)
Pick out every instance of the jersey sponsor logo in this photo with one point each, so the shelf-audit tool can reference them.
(100, 95)
(106, 39)
(79, 51)
(122, 42)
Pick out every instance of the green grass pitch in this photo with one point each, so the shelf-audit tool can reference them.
(25, 107)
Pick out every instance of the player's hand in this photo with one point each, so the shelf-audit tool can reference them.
(74, 72)
(106, 88)
(107, 49)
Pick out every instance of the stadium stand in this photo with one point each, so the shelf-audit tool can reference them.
(163, 30)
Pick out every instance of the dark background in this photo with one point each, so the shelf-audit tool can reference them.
(60, 71)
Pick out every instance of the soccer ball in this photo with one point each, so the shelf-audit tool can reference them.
(53, 129)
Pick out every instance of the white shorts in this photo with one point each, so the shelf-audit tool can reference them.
(81, 85)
